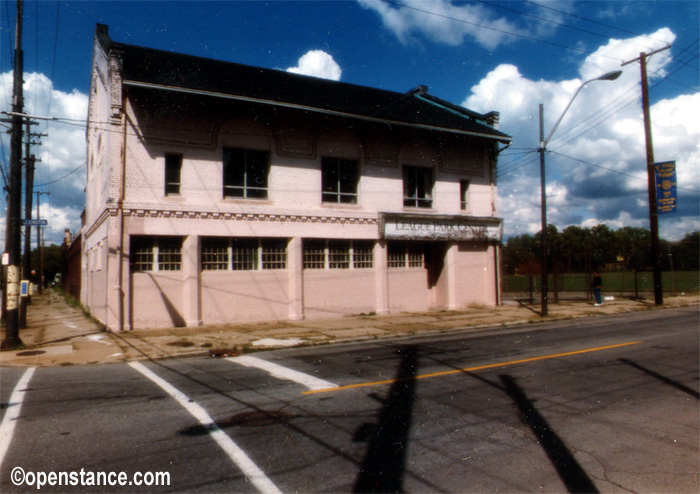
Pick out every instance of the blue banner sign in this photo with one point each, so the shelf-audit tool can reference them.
(665, 174)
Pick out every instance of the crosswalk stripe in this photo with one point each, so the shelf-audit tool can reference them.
(281, 372)
(237, 455)
(7, 427)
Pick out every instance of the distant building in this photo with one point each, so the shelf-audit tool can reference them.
(219, 192)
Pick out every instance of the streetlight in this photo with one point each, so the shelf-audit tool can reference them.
(610, 76)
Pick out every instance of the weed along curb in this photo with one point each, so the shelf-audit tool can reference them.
(59, 332)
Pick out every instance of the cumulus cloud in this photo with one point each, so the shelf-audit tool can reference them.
(596, 167)
(61, 169)
(443, 22)
(317, 63)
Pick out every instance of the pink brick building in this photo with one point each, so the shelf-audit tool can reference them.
(218, 192)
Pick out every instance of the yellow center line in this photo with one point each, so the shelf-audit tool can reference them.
(473, 369)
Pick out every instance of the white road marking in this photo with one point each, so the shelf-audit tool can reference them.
(278, 371)
(237, 455)
(7, 427)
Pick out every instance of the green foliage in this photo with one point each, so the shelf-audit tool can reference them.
(578, 249)
(614, 283)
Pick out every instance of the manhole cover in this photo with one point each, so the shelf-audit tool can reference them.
(181, 343)
(29, 353)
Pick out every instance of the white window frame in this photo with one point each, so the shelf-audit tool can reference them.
(338, 254)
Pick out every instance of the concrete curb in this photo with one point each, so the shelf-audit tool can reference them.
(60, 335)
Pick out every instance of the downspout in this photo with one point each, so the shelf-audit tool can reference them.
(120, 213)
(497, 270)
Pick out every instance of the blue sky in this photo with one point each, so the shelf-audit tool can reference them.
(491, 55)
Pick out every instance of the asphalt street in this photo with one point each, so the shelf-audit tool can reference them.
(605, 404)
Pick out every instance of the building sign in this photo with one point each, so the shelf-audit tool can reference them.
(665, 174)
(439, 227)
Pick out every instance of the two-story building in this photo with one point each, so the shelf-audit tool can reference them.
(218, 192)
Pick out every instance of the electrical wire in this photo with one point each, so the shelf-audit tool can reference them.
(63, 177)
(617, 171)
(557, 23)
(502, 31)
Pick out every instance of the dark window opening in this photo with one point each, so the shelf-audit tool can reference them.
(417, 187)
(173, 171)
(245, 173)
(339, 180)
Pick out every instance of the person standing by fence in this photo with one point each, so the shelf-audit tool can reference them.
(597, 284)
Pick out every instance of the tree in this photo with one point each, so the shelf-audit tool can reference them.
(634, 247)
(686, 253)
(52, 261)
(575, 248)
(519, 250)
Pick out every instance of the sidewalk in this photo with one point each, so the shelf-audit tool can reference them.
(58, 334)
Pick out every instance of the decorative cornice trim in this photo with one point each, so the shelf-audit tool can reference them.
(261, 217)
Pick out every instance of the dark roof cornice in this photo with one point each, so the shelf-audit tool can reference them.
(168, 71)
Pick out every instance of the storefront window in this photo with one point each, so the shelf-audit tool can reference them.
(243, 254)
(146, 250)
(406, 255)
(338, 254)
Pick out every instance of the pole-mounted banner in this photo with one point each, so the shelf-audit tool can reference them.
(665, 174)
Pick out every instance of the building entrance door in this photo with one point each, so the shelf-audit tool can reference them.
(436, 273)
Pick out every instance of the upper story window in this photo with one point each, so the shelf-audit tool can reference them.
(173, 171)
(339, 180)
(417, 187)
(156, 253)
(245, 173)
(464, 195)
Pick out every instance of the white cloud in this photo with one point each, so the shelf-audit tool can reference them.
(443, 22)
(61, 169)
(604, 130)
(317, 63)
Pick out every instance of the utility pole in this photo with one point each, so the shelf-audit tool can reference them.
(14, 203)
(40, 252)
(651, 178)
(26, 261)
(30, 161)
(544, 258)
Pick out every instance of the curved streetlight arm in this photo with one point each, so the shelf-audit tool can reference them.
(610, 76)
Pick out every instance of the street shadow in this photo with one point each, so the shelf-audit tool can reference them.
(382, 468)
(526, 304)
(569, 470)
(663, 379)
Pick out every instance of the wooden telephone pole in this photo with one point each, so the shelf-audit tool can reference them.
(14, 203)
(651, 178)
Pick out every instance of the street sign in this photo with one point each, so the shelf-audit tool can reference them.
(35, 222)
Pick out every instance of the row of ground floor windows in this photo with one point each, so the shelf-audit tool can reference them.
(151, 253)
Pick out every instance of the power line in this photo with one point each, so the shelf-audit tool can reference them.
(556, 23)
(502, 31)
(616, 171)
(63, 177)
